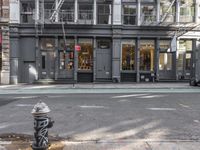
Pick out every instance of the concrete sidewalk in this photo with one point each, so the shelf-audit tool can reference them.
(106, 145)
(99, 88)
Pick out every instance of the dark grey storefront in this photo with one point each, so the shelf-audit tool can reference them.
(109, 53)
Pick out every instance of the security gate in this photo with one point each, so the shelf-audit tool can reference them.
(47, 65)
(103, 60)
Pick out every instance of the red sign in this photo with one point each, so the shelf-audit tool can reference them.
(77, 47)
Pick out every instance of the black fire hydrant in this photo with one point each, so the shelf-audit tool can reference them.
(41, 124)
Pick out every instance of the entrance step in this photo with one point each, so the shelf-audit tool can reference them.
(103, 80)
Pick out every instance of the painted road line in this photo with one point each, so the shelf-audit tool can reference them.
(93, 106)
(185, 106)
(125, 96)
(161, 108)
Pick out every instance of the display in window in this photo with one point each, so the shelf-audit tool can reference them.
(85, 57)
(128, 57)
(147, 55)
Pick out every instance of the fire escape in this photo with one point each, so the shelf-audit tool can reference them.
(41, 18)
(181, 28)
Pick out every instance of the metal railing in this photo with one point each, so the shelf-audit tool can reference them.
(66, 16)
(186, 18)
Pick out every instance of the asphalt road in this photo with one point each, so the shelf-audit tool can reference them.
(108, 117)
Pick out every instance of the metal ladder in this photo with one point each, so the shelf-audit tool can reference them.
(167, 12)
(57, 9)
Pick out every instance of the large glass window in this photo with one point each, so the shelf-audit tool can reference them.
(187, 11)
(164, 6)
(128, 55)
(27, 12)
(66, 54)
(165, 56)
(85, 11)
(129, 14)
(148, 14)
(147, 48)
(184, 53)
(85, 55)
(104, 13)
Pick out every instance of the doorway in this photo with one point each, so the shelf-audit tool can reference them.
(103, 60)
(47, 65)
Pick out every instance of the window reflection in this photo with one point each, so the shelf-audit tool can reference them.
(47, 43)
(104, 13)
(165, 61)
(184, 53)
(187, 11)
(165, 56)
(164, 6)
(146, 55)
(148, 14)
(85, 55)
(128, 56)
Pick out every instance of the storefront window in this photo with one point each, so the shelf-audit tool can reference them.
(184, 53)
(147, 55)
(128, 55)
(148, 14)
(66, 54)
(104, 13)
(187, 11)
(165, 56)
(164, 6)
(47, 43)
(1, 51)
(85, 55)
(129, 14)
(27, 10)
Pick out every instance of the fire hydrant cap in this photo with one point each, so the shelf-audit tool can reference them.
(40, 108)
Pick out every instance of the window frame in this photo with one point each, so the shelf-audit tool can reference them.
(131, 42)
(129, 15)
(27, 13)
(109, 14)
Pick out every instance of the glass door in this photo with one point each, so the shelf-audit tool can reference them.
(66, 59)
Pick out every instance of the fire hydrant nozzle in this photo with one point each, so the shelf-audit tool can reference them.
(41, 124)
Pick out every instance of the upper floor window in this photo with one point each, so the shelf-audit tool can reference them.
(27, 12)
(129, 14)
(164, 7)
(85, 11)
(148, 14)
(67, 12)
(104, 13)
(187, 11)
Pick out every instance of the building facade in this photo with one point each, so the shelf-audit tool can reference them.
(103, 40)
(4, 42)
